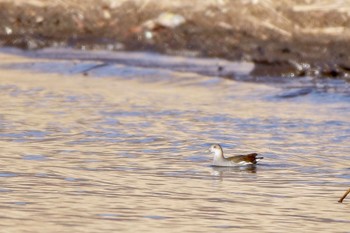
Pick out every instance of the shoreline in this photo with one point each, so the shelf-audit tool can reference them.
(282, 38)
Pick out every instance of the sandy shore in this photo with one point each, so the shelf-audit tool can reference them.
(292, 38)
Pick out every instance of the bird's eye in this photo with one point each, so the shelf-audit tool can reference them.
(215, 147)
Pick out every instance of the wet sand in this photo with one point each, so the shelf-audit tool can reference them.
(288, 38)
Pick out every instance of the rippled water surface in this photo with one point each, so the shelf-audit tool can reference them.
(123, 149)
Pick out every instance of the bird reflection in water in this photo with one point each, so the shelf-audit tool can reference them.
(223, 171)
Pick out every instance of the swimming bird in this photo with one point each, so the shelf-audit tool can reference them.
(220, 160)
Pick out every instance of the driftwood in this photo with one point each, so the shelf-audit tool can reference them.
(343, 197)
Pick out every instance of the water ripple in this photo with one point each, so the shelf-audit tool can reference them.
(127, 153)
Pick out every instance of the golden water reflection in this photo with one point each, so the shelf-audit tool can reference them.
(89, 154)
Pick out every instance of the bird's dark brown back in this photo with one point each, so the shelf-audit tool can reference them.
(249, 158)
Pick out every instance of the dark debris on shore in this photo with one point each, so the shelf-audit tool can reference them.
(283, 38)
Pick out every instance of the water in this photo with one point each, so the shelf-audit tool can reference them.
(122, 148)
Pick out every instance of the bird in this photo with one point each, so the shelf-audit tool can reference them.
(238, 160)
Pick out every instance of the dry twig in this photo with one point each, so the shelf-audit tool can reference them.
(345, 194)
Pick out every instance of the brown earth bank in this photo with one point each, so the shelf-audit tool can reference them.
(283, 38)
